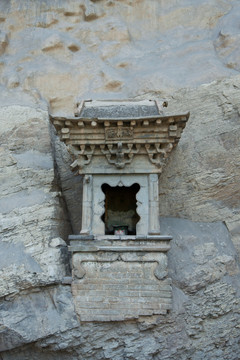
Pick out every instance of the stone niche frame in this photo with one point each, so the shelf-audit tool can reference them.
(120, 143)
(147, 202)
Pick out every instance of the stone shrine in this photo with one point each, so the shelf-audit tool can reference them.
(119, 259)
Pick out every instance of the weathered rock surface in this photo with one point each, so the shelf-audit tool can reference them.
(201, 179)
(30, 213)
(116, 49)
(203, 324)
(36, 315)
(54, 53)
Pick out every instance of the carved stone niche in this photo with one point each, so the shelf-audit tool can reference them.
(119, 258)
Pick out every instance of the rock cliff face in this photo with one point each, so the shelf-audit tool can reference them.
(64, 51)
(54, 53)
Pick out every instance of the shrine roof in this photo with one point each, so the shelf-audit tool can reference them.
(124, 109)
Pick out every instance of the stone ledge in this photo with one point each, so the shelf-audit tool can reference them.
(116, 243)
(119, 237)
(89, 248)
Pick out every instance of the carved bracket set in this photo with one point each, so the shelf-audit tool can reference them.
(120, 139)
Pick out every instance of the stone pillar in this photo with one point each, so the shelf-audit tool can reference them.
(154, 226)
(87, 205)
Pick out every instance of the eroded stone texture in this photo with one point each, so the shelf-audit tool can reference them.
(120, 278)
(30, 213)
(120, 291)
(153, 49)
(201, 179)
(46, 311)
(115, 49)
(203, 323)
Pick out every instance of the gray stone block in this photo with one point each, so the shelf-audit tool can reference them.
(201, 253)
(36, 315)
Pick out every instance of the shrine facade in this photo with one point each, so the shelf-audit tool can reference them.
(119, 259)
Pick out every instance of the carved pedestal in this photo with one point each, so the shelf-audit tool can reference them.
(119, 278)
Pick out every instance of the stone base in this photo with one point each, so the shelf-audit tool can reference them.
(117, 278)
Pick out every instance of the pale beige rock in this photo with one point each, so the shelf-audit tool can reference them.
(52, 43)
(3, 42)
(13, 81)
(127, 48)
(91, 12)
(164, 49)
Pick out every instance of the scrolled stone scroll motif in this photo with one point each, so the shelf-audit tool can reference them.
(160, 259)
(160, 271)
(79, 272)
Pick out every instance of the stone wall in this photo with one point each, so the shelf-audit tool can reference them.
(54, 53)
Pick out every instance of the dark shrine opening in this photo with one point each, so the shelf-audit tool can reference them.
(120, 215)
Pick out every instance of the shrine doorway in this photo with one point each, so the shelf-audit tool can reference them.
(120, 216)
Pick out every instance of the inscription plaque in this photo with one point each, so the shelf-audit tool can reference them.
(118, 133)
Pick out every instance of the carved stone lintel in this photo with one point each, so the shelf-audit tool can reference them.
(160, 271)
